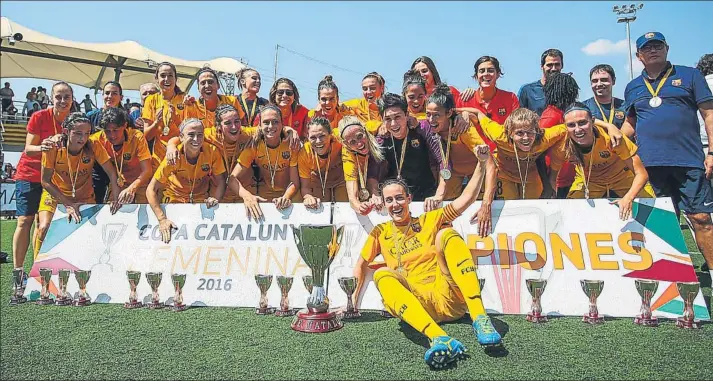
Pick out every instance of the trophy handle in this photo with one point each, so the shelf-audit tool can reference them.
(298, 235)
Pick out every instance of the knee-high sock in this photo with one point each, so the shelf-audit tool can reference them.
(462, 269)
(36, 246)
(406, 305)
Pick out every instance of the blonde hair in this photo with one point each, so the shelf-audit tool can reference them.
(523, 118)
(374, 148)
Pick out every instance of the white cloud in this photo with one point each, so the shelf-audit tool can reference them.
(603, 47)
(637, 66)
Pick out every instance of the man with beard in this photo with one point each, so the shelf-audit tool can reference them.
(532, 95)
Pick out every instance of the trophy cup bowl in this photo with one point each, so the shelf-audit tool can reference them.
(318, 245)
(45, 278)
(688, 292)
(348, 285)
(82, 277)
(178, 280)
(592, 288)
(536, 287)
(285, 284)
(647, 289)
(134, 278)
(263, 283)
(308, 282)
(154, 279)
(63, 298)
(18, 287)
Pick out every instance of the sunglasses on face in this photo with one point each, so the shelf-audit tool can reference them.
(289, 93)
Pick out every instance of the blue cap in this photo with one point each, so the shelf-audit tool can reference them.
(648, 37)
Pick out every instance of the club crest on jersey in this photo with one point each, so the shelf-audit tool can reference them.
(416, 226)
(48, 201)
(676, 82)
(604, 154)
(502, 111)
(127, 156)
(179, 106)
(205, 167)
(86, 159)
(286, 155)
(415, 143)
(619, 114)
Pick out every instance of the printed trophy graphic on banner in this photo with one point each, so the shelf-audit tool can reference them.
(111, 234)
(318, 245)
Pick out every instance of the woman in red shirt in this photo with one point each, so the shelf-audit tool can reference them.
(561, 90)
(42, 131)
(284, 94)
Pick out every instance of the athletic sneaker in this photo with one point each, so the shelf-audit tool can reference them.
(485, 331)
(444, 350)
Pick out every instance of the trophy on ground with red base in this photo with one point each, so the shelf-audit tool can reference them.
(688, 292)
(318, 245)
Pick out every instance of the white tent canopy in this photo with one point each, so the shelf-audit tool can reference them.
(38, 55)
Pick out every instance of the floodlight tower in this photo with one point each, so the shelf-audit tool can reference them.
(627, 14)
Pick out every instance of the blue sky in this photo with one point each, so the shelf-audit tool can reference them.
(376, 36)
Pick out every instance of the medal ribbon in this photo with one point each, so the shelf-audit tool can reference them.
(658, 88)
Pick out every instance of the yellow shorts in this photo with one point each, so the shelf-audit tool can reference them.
(49, 203)
(139, 196)
(599, 190)
(510, 190)
(438, 294)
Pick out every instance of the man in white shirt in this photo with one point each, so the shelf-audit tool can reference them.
(705, 65)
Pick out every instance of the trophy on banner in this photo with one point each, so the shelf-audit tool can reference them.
(318, 245)
(285, 284)
(536, 287)
(63, 298)
(688, 292)
(82, 298)
(178, 280)
(308, 282)
(348, 285)
(263, 283)
(646, 289)
(592, 288)
(154, 279)
(45, 278)
(134, 279)
(18, 287)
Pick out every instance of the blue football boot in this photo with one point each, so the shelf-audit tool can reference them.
(485, 331)
(444, 350)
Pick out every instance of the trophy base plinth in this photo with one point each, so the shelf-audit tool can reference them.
(353, 314)
(133, 305)
(688, 324)
(15, 300)
(44, 301)
(646, 322)
(284, 313)
(536, 318)
(309, 322)
(593, 320)
(179, 307)
(82, 302)
(265, 311)
(155, 305)
(63, 302)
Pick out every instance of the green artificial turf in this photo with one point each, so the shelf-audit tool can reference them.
(108, 342)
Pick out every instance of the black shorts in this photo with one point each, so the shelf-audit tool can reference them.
(688, 188)
(27, 197)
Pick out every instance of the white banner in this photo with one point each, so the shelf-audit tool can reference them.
(7, 197)
(562, 241)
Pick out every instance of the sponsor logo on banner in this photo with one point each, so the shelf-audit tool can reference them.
(220, 251)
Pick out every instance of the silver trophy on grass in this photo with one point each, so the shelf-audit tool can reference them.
(154, 280)
(592, 288)
(82, 298)
(63, 298)
(646, 289)
(285, 284)
(263, 283)
(348, 285)
(178, 280)
(536, 287)
(688, 292)
(45, 278)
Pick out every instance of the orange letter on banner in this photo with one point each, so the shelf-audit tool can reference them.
(540, 247)
(625, 246)
(208, 260)
(243, 266)
(156, 252)
(487, 250)
(596, 251)
(574, 253)
(184, 265)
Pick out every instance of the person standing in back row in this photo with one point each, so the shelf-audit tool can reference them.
(662, 106)
(532, 95)
(603, 105)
